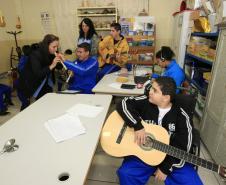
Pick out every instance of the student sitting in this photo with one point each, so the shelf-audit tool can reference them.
(158, 108)
(84, 70)
(165, 60)
(88, 34)
(113, 52)
(24, 58)
(5, 98)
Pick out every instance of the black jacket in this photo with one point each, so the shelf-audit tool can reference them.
(35, 71)
(176, 122)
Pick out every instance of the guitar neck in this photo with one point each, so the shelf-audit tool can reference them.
(181, 154)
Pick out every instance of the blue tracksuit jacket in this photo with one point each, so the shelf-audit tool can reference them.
(174, 71)
(85, 72)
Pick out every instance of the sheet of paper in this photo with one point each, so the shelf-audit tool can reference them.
(115, 85)
(65, 127)
(85, 110)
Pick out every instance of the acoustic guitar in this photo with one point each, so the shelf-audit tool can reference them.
(118, 140)
(110, 56)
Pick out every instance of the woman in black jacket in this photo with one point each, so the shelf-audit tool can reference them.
(36, 77)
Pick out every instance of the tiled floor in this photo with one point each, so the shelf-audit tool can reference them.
(103, 168)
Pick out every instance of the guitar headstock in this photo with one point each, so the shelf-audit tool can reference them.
(222, 172)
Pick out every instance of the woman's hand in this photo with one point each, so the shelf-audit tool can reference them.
(61, 56)
(54, 63)
(140, 137)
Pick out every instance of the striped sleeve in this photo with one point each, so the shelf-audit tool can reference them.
(182, 139)
(130, 108)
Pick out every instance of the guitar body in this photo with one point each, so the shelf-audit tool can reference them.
(127, 146)
(111, 53)
(105, 52)
(117, 140)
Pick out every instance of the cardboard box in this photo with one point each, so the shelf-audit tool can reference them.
(216, 4)
(194, 15)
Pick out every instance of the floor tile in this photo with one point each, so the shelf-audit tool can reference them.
(92, 182)
(104, 168)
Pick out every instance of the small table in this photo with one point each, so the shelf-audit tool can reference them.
(103, 87)
(39, 159)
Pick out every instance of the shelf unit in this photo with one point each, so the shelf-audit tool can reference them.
(198, 59)
(194, 68)
(135, 51)
(213, 123)
(102, 17)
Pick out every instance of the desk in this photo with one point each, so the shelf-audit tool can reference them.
(103, 87)
(39, 159)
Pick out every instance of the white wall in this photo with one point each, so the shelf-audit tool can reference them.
(63, 20)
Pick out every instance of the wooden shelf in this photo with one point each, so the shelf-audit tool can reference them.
(199, 59)
(103, 29)
(201, 34)
(141, 49)
(96, 15)
(96, 7)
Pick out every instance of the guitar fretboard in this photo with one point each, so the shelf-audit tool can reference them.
(181, 154)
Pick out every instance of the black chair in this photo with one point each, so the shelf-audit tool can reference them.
(188, 102)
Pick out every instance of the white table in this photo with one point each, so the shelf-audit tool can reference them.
(103, 87)
(39, 159)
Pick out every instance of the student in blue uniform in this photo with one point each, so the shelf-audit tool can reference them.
(84, 70)
(165, 60)
(5, 98)
(158, 108)
(24, 58)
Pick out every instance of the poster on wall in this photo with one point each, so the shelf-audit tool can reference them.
(46, 22)
(144, 23)
(126, 25)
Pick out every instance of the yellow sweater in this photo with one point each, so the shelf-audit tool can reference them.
(107, 47)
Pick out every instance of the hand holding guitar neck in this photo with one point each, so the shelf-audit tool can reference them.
(61, 60)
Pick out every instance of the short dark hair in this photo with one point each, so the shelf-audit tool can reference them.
(34, 46)
(26, 50)
(68, 52)
(167, 86)
(165, 53)
(86, 46)
(116, 26)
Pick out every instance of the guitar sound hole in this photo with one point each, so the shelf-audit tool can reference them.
(148, 144)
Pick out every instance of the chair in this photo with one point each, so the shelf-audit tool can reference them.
(188, 102)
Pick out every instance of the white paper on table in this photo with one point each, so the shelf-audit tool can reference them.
(64, 127)
(115, 85)
(85, 110)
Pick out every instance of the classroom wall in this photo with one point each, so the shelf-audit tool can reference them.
(162, 10)
(63, 23)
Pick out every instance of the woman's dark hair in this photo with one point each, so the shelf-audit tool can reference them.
(165, 53)
(167, 86)
(91, 31)
(48, 39)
